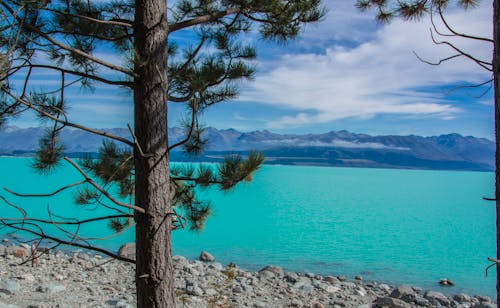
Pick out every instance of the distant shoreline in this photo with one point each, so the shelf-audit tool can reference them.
(270, 161)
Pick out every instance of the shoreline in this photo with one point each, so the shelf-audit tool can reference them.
(79, 279)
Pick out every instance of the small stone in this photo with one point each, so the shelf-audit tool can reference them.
(117, 303)
(310, 275)
(5, 240)
(83, 256)
(317, 305)
(358, 278)
(237, 289)
(217, 266)
(27, 277)
(210, 292)
(360, 291)
(25, 246)
(342, 278)
(446, 282)
(127, 251)
(206, 257)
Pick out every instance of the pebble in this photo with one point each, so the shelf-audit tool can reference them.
(70, 281)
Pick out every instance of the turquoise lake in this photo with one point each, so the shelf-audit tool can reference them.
(396, 226)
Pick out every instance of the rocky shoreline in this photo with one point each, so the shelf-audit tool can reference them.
(81, 280)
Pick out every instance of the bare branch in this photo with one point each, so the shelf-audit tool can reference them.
(136, 142)
(460, 34)
(191, 128)
(481, 63)
(100, 21)
(102, 190)
(48, 194)
(202, 19)
(436, 63)
(69, 243)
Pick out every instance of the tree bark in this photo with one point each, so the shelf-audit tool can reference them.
(154, 271)
(496, 71)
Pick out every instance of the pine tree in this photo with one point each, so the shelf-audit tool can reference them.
(436, 9)
(63, 36)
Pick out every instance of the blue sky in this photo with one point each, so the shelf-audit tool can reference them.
(346, 72)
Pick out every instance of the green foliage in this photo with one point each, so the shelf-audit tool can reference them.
(49, 153)
(410, 9)
(86, 196)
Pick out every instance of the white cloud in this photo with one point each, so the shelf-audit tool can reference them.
(379, 76)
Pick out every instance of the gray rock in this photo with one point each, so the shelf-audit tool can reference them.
(266, 275)
(331, 279)
(9, 287)
(317, 305)
(5, 240)
(127, 251)
(310, 275)
(278, 271)
(360, 291)
(342, 278)
(384, 287)
(462, 298)
(405, 293)
(482, 298)
(237, 289)
(206, 257)
(437, 298)
(118, 303)
(211, 292)
(51, 288)
(358, 278)
(83, 256)
(4, 305)
(484, 305)
(390, 302)
(216, 266)
(291, 277)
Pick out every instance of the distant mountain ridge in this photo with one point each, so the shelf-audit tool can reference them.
(335, 148)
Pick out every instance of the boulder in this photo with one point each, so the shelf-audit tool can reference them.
(462, 298)
(390, 302)
(331, 279)
(437, 298)
(276, 270)
(206, 257)
(127, 251)
(291, 277)
(405, 293)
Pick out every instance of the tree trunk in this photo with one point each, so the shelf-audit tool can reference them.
(496, 71)
(154, 271)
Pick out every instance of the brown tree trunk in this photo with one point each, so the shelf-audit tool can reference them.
(154, 272)
(496, 70)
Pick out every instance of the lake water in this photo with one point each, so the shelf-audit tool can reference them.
(396, 226)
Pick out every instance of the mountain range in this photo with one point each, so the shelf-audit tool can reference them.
(335, 148)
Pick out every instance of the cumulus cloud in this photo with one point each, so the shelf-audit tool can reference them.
(378, 76)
